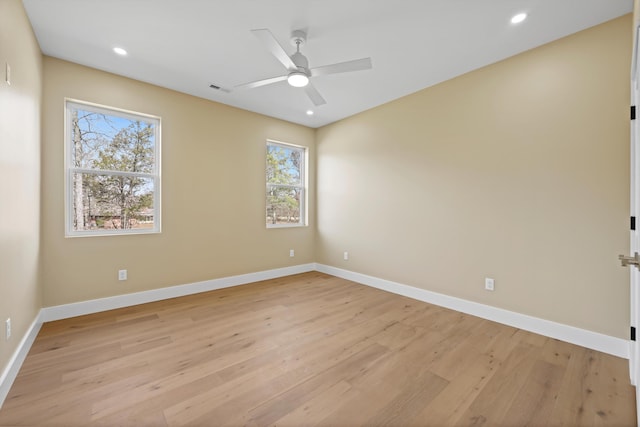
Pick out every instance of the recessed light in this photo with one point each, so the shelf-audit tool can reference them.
(518, 18)
(120, 51)
(309, 112)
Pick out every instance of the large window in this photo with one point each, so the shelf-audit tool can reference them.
(286, 185)
(112, 171)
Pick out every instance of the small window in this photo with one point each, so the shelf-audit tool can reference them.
(112, 171)
(286, 185)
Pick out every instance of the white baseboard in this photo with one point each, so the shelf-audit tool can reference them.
(65, 311)
(15, 362)
(582, 337)
(593, 340)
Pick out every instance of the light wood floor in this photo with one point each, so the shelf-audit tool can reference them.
(309, 349)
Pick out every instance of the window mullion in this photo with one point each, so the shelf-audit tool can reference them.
(285, 186)
(111, 172)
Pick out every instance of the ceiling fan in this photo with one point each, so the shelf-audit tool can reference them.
(299, 73)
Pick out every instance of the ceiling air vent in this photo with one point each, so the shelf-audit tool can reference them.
(220, 88)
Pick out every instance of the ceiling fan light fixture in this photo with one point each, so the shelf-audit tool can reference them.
(298, 79)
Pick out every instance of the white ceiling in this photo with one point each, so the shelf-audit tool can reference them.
(186, 45)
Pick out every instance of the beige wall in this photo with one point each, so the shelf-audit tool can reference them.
(518, 171)
(19, 175)
(213, 202)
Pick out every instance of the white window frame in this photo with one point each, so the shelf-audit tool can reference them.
(70, 169)
(302, 187)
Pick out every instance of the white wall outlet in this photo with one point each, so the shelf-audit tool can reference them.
(7, 73)
(122, 274)
(345, 256)
(292, 253)
(488, 283)
(7, 329)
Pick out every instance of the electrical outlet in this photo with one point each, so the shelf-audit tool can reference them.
(122, 274)
(488, 283)
(292, 253)
(7, 73)
(7, 329)
(345, 256)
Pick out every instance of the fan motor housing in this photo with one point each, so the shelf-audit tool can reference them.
(300, 60)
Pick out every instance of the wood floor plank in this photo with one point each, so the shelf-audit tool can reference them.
(313, 410)
(401, 410)
(281, 404)
(498, 394)
(587, 372)
(309, 350)
(535, 401)
(448, 408)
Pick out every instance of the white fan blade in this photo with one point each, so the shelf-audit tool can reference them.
(314, 95)
(263, 82)
(274, 47)
(343, 67)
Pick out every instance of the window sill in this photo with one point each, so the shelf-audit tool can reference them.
(272, 226)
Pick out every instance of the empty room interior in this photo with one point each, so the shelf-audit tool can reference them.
(318, 213)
